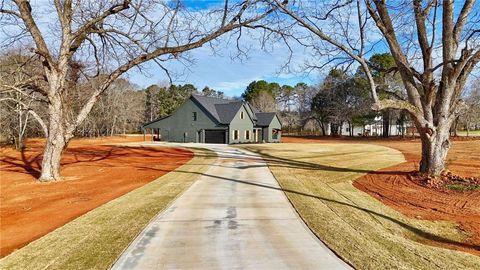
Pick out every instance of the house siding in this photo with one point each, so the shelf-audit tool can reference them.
(275, 124)
(241, 125)
(180, 127)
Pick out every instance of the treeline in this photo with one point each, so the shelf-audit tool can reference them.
(336, 106)
(341, 104)
(122, 108)
(341, 100)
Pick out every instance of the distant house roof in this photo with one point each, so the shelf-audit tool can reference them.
(264, 119)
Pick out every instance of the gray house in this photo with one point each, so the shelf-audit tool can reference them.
(214, 120)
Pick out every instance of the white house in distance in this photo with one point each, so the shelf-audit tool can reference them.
(373, 129)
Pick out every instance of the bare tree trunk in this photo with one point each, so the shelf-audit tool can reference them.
(57, 141)
(434, 150)
(51, 158)
(113, 126)
(386, 123)
(55, 144)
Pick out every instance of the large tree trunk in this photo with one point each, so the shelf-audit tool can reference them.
(51, 158)
(57, 141)
(434, 150)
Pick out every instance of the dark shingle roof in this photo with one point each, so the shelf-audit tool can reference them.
(223, 110)
(264, 119)
(228, 111)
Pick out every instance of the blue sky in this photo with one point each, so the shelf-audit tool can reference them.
(220, 72)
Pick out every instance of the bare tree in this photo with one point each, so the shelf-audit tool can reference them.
(109, 38)
(264, 102)
(20, 113)
(470, 118)
(435, 45)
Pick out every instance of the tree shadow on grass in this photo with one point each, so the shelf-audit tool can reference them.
(416, 231)
(282, 162)
(275, 161)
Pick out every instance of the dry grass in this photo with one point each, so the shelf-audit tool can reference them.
(470, 133)
(96, 239)
(318, 179)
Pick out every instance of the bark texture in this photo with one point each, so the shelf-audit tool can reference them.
(434, 151)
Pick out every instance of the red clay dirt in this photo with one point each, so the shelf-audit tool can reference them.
(93, 173)
(396, 189)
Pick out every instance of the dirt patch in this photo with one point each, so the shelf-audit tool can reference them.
(447, 180)
(94, 174)
(396, 189)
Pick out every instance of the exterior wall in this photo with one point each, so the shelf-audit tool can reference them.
(241, 125)
(275, 124)
(180, 127)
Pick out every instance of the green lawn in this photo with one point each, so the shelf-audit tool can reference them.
(317, 179)
(96, 239)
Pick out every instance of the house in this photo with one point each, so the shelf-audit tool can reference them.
(213, 120)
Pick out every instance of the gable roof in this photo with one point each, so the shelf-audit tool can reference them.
(227, 111)
(208, 103)
(224, 110)
(264, 119)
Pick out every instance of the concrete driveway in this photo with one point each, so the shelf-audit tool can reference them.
(233, 217)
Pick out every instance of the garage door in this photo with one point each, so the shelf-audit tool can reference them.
(215, 136)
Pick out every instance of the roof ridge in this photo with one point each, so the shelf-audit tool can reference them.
(210, 97)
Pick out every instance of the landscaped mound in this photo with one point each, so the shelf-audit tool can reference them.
(453, 196)
(93, 175)
(447, 180)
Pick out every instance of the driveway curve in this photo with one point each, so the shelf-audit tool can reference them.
(235, 216)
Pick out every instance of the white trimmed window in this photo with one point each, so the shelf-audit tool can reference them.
(235, 135)
(241, 115)
(247, 134)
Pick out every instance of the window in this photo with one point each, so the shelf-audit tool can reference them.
(247, 134)
(194, 116)
(235, 135)
(275, 133)
(241, 115)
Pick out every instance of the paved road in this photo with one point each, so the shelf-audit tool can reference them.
(232, 217)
